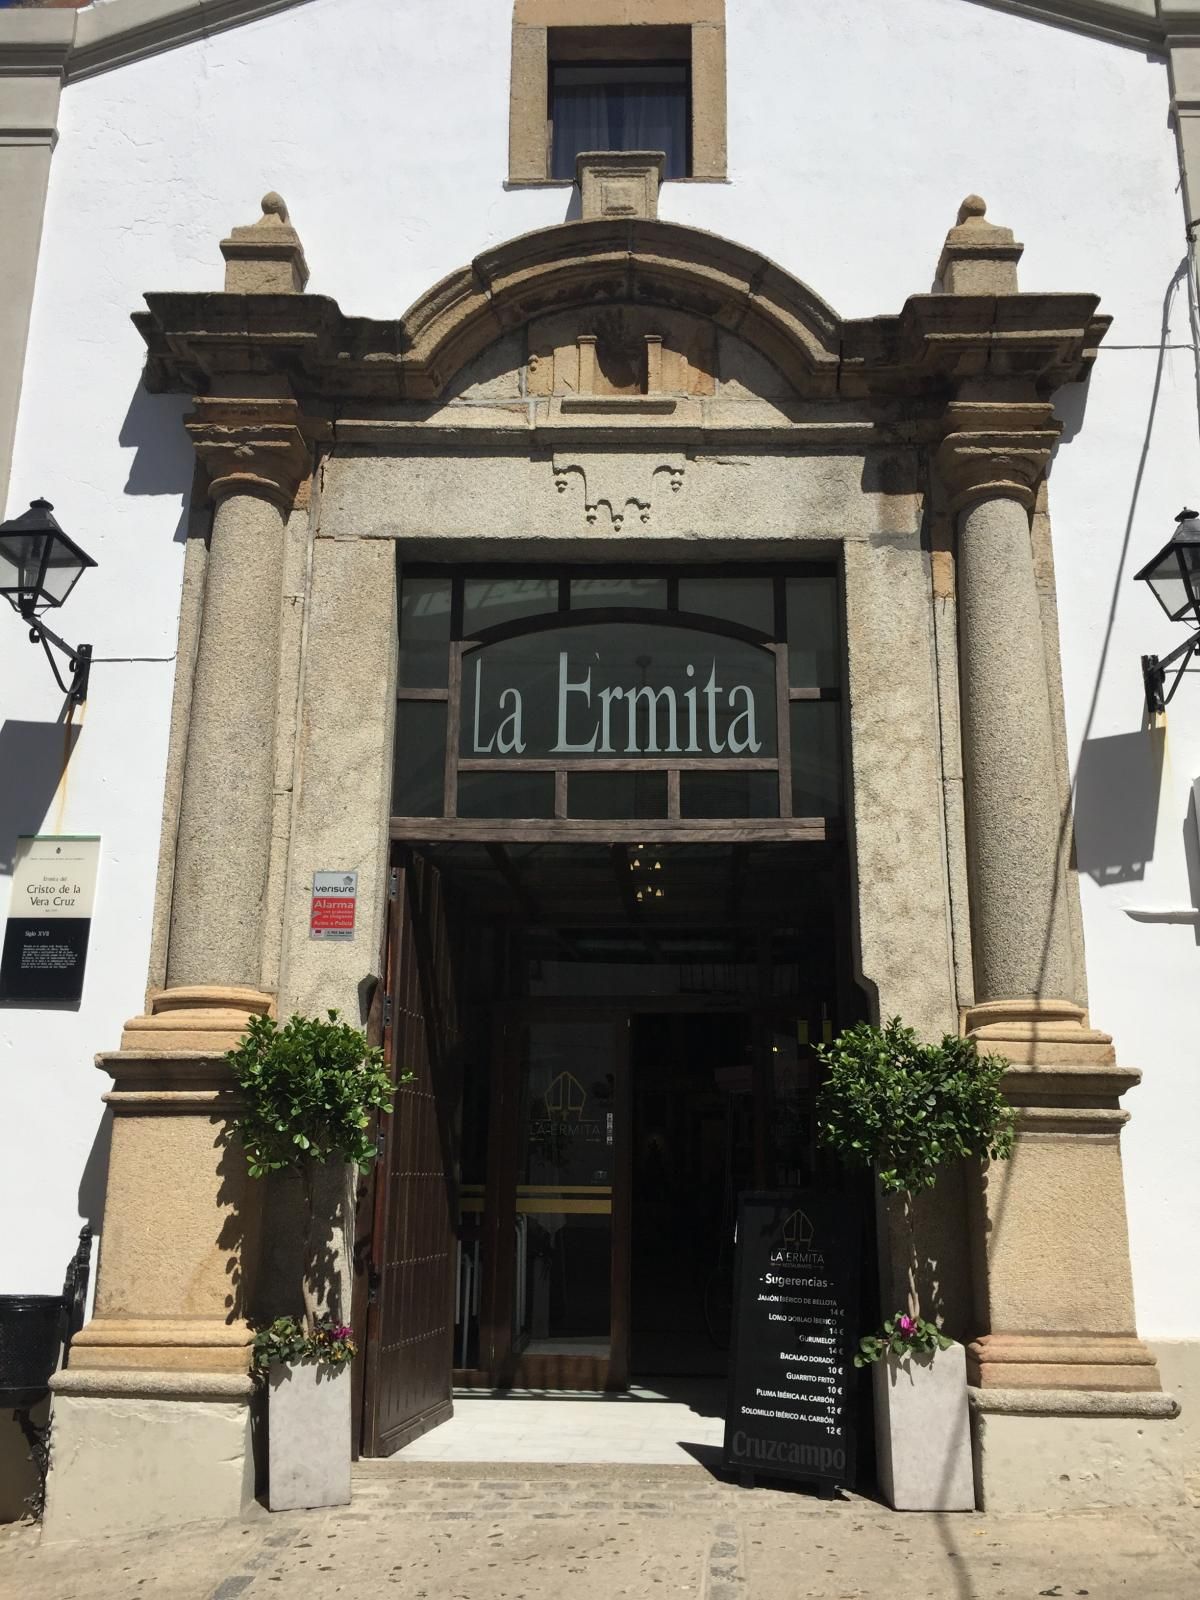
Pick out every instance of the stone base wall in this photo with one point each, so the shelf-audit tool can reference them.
(131, 1463)
(1144, 1457)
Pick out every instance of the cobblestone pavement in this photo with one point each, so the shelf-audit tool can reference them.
(423, 1531)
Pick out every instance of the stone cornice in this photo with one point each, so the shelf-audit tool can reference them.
(35, 43)
(100, 38)
(1129, 22)
(1032, 342)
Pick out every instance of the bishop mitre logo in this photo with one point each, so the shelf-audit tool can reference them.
(798, 1232)
(566, 1098)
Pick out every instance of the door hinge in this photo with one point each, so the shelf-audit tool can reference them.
(387, 1010)
(393, 883)
(373, 1281)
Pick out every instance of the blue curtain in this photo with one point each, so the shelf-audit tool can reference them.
(623, 108)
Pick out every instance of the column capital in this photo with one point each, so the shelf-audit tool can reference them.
(255, 446)
(996, 450)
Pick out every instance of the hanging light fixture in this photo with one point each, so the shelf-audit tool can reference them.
(39, 566)
(1173, 577)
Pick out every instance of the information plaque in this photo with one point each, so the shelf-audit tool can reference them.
(49, 918)
(791, 1390)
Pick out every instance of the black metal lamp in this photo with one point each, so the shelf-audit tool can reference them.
(1173, 577)
(39, 566)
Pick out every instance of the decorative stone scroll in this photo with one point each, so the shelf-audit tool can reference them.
(618, 481)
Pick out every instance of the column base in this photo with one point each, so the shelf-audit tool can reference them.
(1053, 1281)
(1062, 1361)
(135, 1451)
(208, 1017)
(159, 1345)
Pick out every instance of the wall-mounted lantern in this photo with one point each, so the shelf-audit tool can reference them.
(1174, 579)
(39, 566)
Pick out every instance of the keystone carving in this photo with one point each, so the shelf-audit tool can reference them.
(992, 451)
(618, 482)
(619, 183)
(259, 447)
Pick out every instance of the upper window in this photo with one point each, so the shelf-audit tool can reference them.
(616, 75)
(619, 106)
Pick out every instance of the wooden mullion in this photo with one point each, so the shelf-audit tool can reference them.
(783, 730)
(560, 792)
(441, 695)
(551, 830)
(618, 764)
(673, 794)
(814, 692)
(453, 732)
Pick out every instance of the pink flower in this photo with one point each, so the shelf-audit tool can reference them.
(906, 1325)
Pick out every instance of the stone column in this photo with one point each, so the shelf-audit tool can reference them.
(160, 1376)
(1054, 1297)
(256, 454)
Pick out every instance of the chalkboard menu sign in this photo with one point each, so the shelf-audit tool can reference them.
(796, 1278)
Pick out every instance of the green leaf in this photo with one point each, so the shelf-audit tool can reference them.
(906, 1108)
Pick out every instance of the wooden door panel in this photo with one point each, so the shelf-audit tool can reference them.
(410, 1322)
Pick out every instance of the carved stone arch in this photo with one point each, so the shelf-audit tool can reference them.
(594, 265)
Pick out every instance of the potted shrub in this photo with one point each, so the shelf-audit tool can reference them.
(906, 1109)
(309, 1092)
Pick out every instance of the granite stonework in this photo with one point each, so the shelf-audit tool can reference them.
(625, 390)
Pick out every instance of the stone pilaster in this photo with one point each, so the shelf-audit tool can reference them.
(163, 1366)
(1053, 1291)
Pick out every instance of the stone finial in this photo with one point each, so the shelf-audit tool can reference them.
(265, 257)
(619, 183)
(978, 257)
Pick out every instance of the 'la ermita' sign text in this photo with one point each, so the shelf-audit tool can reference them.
(600, 697)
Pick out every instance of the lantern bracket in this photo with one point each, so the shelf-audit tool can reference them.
(1154, 674)
(79, 658)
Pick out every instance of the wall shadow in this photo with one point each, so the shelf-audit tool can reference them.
(33, 758)
(163, 461)
(1117, 786)
(1191, 854)
(93, 1180)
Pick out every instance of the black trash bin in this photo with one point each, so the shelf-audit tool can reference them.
(31, 1336)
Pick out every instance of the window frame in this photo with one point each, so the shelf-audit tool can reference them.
(625, 32)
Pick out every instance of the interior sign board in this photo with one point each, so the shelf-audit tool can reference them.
(796, 1276)
(49, 918)
(334, 902)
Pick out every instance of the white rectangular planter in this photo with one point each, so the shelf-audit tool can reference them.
(308, 1436)
(923, 1433)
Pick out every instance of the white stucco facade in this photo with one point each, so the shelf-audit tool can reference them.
(853, 133)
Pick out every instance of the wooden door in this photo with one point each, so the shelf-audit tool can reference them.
(410, 1315)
